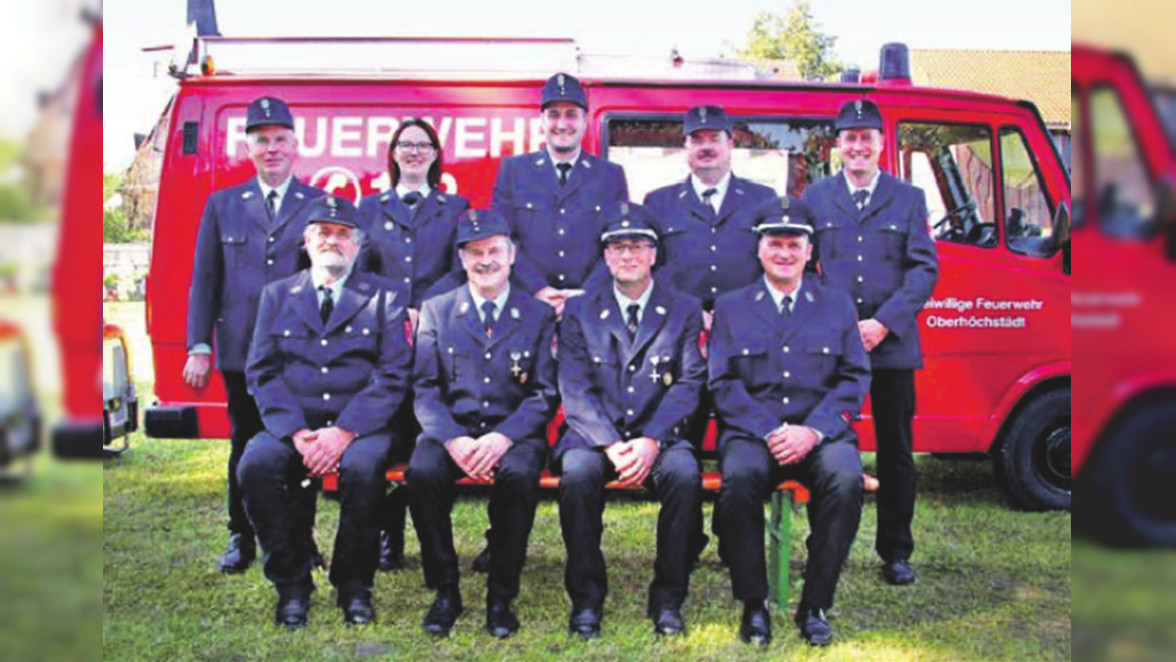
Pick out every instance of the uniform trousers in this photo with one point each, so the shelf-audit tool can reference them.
(431, 477)
(271, 475)
(675, 480)
(833, 473)
(892, 403)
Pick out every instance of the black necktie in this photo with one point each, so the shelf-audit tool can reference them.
(707, 196)
(412, 198)
(327, 306)
(786, 309)
(860, 197)
(271, 204)
(564, 169)
(631, 323)
(488, 318)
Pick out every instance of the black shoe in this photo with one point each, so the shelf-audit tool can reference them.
(293, 607)
(898, 572)
(500, 620)
(357, 607)
(391, 553)
(584, 622)
(444, 612)
(814, 628)
(482, 561)
(240, 553)
(668, 622)
(756, 626)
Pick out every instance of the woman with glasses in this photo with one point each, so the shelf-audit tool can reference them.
(409, 232)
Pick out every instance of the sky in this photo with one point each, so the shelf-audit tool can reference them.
(134, 98)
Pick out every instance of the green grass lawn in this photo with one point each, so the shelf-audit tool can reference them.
(994, 584)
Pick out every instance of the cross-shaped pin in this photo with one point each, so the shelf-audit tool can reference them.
(515, 369)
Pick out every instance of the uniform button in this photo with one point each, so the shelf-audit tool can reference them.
(714, 267)
(746, 351)
(324, 370)
(824, 350)
(632, 368)
(408, 240)
(786, 349)
(787, 374)
(860, 258)
(861, 238)
(326, 396)
(563, 211)
(785, 400)
(628, 412)
(485, 404)
(323, 342)
(714, 230)
(488, 355)
(367, 332)
(388, 225)
(330, 423)
(561, 278)
(631, 389)
(714, 290)
(561, 253)
(286, 333)
(861, 279)
(485, 380)
(482, 424)
(408, 280)
(859, 301)
(714, 248)
(560, 231)
(272, 239)
(270, 262)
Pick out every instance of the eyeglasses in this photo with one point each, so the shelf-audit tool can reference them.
(634, 249)
(414, 147)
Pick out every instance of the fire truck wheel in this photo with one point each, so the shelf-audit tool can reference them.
(1034, 460)
(1128, 481)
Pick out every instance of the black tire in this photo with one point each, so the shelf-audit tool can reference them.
(1128, 481)
(1033, 462)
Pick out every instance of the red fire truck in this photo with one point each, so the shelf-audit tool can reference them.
(93, 354)
(996, 332)
(1124, 164)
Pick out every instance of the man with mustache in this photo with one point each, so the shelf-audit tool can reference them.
(485, 390)
(249, 235)
(328, 364)
(788, 374)
(706, 220)
(875, 245)
(630, 372)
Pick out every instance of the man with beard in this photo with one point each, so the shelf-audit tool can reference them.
(874, 245)
(249, 236)
(485, 389)
(328, 365)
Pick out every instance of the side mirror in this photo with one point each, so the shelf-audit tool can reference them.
(1061, 235)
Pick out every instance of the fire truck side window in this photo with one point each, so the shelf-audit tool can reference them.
(1166, 105)
(952, 163)
(1125, 200)
(1028, 219)
(785, 154)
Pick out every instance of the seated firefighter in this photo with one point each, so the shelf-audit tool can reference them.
(328, 365)
(788, 374)
(631, 373)
(485, 389)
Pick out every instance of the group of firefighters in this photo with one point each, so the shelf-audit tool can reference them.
(427, 331)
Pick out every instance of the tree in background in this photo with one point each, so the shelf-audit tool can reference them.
(795, 38)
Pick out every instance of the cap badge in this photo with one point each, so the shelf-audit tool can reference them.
(625, 223)
(702, 114)
(857, 106)
(561, 82)
(265, 106)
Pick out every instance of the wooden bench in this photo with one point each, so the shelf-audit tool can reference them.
(779, 522)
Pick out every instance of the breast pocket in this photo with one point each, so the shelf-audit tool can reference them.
(831, 240)
(359, 338)
(891, 240)
(531, 216)
(292, 341)
(234, 248)
(750, 362)
(821, 358)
